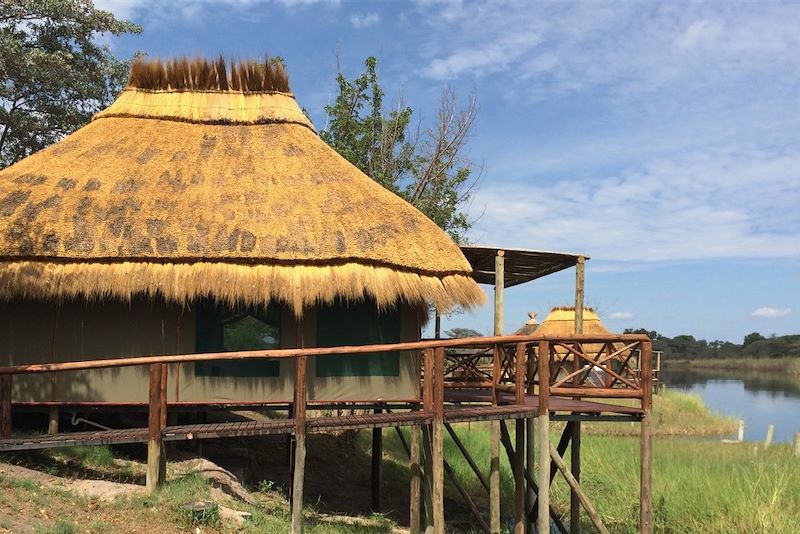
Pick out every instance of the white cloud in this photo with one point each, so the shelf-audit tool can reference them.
(727, 203)
(621, 316)
(161, 10)
(364, 21)
(771, 313)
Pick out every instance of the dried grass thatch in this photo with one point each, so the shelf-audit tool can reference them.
(561, 322)
(182, 193)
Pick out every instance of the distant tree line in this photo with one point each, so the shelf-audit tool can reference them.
(754, 345)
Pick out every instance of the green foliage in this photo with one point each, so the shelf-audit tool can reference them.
(87, 455)
(462, 332)
(59, 527)
(54, 73)
(427, 169)
(755, 346)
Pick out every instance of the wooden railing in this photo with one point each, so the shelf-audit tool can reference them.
(586, 366)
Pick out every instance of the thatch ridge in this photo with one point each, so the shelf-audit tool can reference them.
(200, 74)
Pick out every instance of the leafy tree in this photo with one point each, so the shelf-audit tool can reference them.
(751, 338)
(462, 332)
(425, 167)
(54, 73)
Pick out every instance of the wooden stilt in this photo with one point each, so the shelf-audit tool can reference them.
(574, 486)
(427, 479)
(506, 441)
(52, 420)
(519, 478)
(52, 416)
(494, 460)
(300, 444)
(476, 514)
(155, 473)
(6, 386)
(575, 448)
(416, 481)
(438, 442)
(376, 475)
(646, 461)
(543, 521)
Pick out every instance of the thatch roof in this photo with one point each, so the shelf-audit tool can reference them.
(202, 180)
(561, 322)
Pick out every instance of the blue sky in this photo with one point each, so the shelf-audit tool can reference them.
(661, 139)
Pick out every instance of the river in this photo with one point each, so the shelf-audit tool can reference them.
(760, 398)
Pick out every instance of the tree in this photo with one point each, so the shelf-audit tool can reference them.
(752, 338)
(462, 332)
(54, 74)
(426, 167)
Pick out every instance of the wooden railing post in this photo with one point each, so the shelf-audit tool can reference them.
(438, 441)
(544, 437)
(646, 462)
(301, 364)
(416, 481)
(6, 385)
(519, 454)
(427, 440)
(494, 447)
(155, 460)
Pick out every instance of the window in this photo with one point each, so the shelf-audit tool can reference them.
(219, 328)
(343, 323)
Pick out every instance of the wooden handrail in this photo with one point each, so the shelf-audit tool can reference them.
(311, 352)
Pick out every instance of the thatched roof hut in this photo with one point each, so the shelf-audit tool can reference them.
(201, 212)
(203, 180)
(561, 322)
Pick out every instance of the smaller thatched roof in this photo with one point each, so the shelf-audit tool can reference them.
(561, 322)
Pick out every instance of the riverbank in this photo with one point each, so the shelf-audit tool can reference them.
(789, 366)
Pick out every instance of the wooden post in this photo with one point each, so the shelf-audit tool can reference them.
(427, 439)
(530, 451)
(519, 456)
(53, 411)
(438, 441)
(543, 521)
(797, 444)
(770, 434)
(6, 386)
(573, 484)
(646, 461)
(376, 475)
(300, 443)
(575, 447)
(740, 437)
(494, 461)
(154, 451)
(416, 481)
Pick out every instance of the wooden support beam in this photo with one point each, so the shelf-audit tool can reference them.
(6, 385)
(573, 484)
(375, 474)
(476, 514)
(467, 457)
(427, 480)
(155, 453)
(300, 444)
(519, 478)
(494, 460)
(416, 480)
(438, 441)
(506, 441)
(575, 448)
(52, 419)
(646, 455)
(543, 521)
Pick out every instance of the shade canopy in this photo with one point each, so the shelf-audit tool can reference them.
(206, 181)
(519, 266)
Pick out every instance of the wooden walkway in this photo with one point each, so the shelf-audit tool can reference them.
(455, 414)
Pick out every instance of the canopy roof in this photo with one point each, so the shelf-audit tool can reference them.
(202, 180)
(561, 322)
(519, 266)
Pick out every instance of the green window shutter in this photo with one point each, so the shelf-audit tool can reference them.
(222, 329)
(360, 323)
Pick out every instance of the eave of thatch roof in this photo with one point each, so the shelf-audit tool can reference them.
(186, 192)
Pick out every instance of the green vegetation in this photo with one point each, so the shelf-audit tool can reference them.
(785, 366)
(753, 346)
(426, 168)
(56, 73)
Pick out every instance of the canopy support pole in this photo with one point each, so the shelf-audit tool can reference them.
(494, 463)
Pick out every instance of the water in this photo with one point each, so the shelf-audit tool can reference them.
(760, 398)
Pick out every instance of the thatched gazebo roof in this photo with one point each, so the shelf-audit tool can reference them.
(204, 180)
(561, 322)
